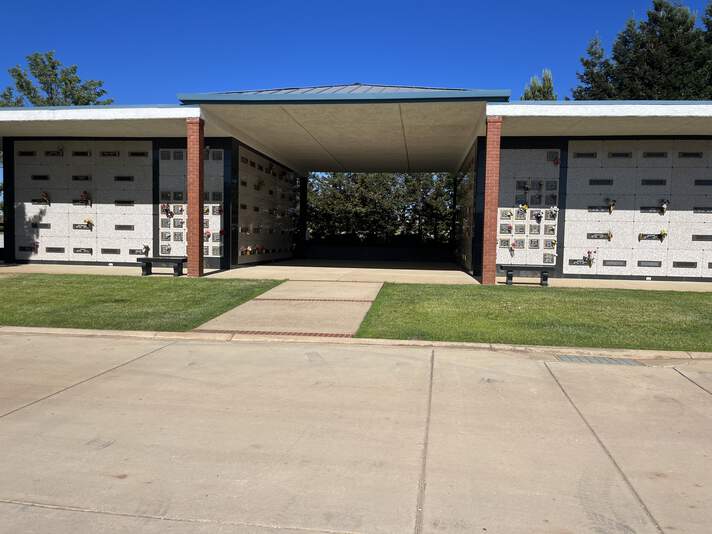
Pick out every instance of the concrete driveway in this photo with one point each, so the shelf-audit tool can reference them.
(109, 435)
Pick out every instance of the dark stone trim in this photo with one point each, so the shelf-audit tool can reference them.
(8, 146)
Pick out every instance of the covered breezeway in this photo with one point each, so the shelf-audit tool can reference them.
(347, 128)
(359, 128)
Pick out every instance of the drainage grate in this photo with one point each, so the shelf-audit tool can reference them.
(598, 359)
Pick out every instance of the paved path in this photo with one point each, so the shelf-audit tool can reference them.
(354, 271)
(331, 309)
(101, 435)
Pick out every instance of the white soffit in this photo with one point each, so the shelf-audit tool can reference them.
(604, 119)
(98, 121)
(373, 136)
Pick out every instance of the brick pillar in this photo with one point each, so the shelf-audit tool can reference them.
(491, 201)
(195, 128)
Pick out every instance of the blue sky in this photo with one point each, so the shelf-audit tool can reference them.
(147, 51)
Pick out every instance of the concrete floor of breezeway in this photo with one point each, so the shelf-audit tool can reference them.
(127, 435)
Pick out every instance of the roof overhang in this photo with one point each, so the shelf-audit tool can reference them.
(355, 127)
(357, 136)
(604, 118)
(97, 121)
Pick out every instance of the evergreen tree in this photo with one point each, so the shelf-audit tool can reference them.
(47, 83)
(664, 57)
(540, 89)
(595, 80)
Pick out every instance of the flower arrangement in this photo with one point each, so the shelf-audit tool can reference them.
(85, 198)
(524, 207)
(554, 211)
(166, 210)
(611, 205)
(663, 234)
(89, 223)
(589, 258)
(539, 216)
(664, 206)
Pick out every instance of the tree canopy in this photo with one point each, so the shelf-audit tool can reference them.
(540, 89)
(45, 82)
(378, 208)
(667, 56)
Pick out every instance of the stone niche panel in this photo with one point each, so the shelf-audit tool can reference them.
(588, 207)
(653, 153)
(615, 261)
(620, 154)
(693, 153)
(586, 155)
(685, 263)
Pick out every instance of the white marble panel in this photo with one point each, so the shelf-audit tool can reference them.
(82, 242)
(647, 177)
(676, 263)
(615, 146)
(692, 146)
(585, 148)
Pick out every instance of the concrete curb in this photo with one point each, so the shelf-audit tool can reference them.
(522, 350)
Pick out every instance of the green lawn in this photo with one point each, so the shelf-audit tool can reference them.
(120, 302)
(617, 318)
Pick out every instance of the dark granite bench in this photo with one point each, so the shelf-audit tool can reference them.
(543, 272)
(176, 262)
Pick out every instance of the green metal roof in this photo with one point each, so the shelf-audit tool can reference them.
(355, 92)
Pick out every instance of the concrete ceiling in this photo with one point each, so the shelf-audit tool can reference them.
(373, 136)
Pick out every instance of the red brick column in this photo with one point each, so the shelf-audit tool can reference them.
(491, 204)
(195, 128)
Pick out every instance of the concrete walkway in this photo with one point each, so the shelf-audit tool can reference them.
(330, 309)
(283, 438)
(354, 271)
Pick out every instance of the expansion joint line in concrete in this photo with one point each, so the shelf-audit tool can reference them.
(172, 519)
(607, 452)
(420, 501)
(102, 373)
(703, 388)
(275, 333)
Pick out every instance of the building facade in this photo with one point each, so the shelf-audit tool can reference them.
(614, 189)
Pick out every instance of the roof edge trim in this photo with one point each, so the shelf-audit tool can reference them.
(486, 95)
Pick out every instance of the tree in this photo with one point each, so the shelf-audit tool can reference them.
(46, 82)
(381, 208)
(667, 56)
(540, 89)
(596, 76)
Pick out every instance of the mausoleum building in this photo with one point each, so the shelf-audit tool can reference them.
(586, 189)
